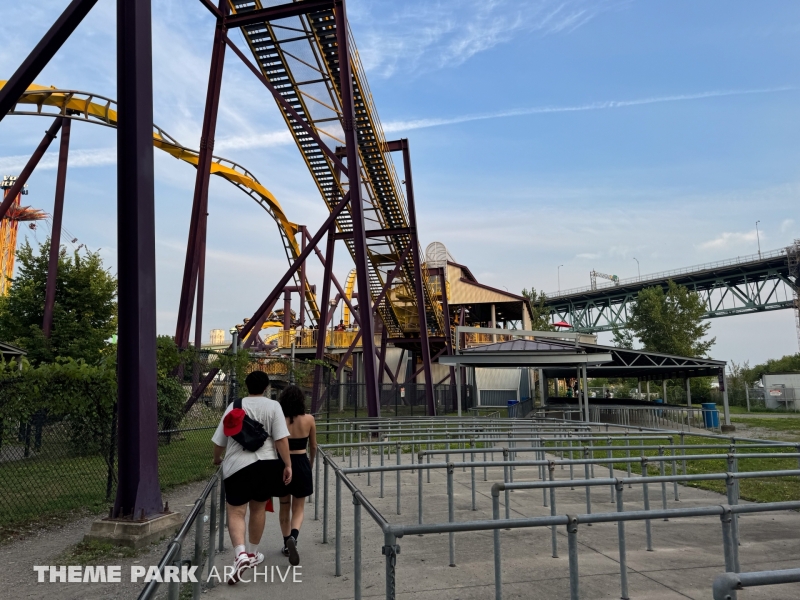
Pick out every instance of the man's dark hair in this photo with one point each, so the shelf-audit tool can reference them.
(257, 382)
(293, 402)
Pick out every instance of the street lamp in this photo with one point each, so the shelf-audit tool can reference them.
(758, 238)
(559, 278)
(638, 267)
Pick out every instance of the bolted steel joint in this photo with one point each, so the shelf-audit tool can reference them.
(726, 516)
(450, 468)
(390, 550)
(551, 466)
(572, 524)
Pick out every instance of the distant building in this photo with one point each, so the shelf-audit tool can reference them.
(217, 337)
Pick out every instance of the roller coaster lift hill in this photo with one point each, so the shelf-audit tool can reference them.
(357, 180)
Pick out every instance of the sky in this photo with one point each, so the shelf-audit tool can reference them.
(582, 133)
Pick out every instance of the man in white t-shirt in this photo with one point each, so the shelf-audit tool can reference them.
(252, 478)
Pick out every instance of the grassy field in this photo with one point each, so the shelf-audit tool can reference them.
(45, 490)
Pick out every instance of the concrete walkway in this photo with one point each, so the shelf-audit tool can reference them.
(687, 553)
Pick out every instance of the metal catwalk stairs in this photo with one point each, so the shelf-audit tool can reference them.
(299, 56)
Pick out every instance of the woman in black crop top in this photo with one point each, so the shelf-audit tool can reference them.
(302, 430)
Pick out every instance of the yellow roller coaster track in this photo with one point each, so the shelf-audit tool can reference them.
(93, 108)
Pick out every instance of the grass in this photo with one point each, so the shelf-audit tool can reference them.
(42, 491)
(787, 425)
(768, 489)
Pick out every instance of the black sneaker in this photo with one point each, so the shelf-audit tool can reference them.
(285, 551)
(291, 547)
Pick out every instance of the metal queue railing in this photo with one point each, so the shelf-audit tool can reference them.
(172, 561)
(558, 441)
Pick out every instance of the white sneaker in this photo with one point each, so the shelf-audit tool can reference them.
(256, 559)
(242, 562)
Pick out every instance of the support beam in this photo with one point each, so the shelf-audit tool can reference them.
(282, 11)
(357, 210)
(302, 313)
(22, 178)
(377, 233)
(295, 265)
(55, 234)
(138, 491)
(402, 145)
(323, 313)
(340, 289)
(196, 244)
(448, 334)
(382, 359)
(52, 41)
(688, 392)
(251, 339)
(586, 395)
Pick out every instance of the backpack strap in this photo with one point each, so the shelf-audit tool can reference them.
(237, 403)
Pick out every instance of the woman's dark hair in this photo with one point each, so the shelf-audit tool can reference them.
(257, 382)
(293, 402)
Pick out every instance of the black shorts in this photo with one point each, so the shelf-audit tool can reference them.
(260, 481)
(302, 483)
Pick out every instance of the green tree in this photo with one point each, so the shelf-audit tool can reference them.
(669, 321)
(786, 364)
(85, 311)
(540, 320)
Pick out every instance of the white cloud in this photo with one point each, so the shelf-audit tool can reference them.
(395, 126)
(433, 34)
(587, 256)
(787, 225)
(245, 142)
(731, 240)
(93, 157)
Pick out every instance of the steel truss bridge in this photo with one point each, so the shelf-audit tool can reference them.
(742, 285)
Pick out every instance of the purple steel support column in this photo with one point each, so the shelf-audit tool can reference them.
(357, 213)
(302, 315)
(287, 310)
(323, 314)
(423, 323)
(382, 363)
(195, 246)
(22, 179)
(138, 492)
(448, 335)
(55, 235)
(45, 50)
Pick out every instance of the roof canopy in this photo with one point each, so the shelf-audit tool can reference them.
(559, 358)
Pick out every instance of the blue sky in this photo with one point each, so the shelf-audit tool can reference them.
(543, 133)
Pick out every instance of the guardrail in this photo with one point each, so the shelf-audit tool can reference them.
(172, 558)
(725, 585)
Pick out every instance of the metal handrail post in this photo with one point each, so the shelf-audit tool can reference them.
(326, 468)
(198, 550)
(623, 557)
(338, 567)
(553, 533)
(211, 527)
(646, 494)
(451, 512)
(223, 513)
(399, 461)
(356, 548)
(572, 543)
(316, 488)
(174, 589)
(498, 567)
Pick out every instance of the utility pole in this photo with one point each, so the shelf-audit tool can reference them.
(758, 238)
(638, 267)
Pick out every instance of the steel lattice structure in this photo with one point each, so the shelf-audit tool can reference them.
(750, 284)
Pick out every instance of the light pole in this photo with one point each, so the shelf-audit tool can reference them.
(758, 238)
(559, 278)
(638, 267)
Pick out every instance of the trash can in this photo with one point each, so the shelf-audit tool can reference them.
(659, 412)
(512, 408)
(710, 415)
